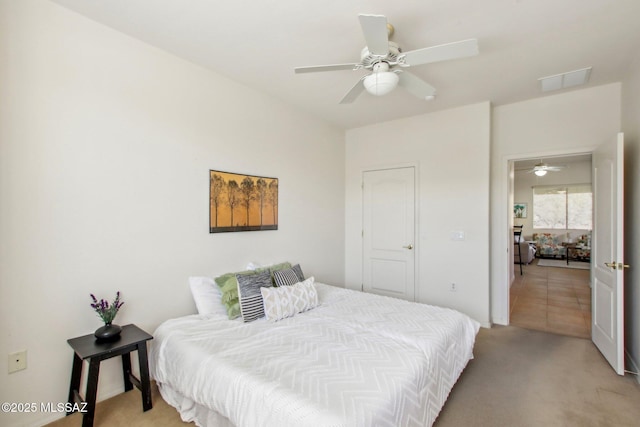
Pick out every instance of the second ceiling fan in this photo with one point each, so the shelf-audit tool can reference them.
(385, 59)
(541, 169)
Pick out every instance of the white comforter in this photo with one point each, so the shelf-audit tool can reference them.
(356, 360)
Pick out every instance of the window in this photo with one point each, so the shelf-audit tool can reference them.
(562, 207)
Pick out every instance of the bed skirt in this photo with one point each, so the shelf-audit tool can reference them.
(191, 411)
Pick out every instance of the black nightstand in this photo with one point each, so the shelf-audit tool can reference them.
(87, 347)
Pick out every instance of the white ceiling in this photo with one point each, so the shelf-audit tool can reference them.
(258, 43)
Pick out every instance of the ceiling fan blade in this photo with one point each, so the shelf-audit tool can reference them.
(333, 67)
(415, 85)
(375, 32)
(354, 93)
(442, 52)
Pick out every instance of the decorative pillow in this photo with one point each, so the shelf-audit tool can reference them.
(206, 295)
(298, 271)
(286, 301)
(252, 266)
(289, 276)
(273, 268)
(228, 285)
(249, 286)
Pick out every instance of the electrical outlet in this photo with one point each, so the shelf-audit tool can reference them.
(453, 287)
(17, 361)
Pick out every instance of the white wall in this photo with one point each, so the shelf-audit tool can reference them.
(565, 123)
(106, 146)
(451, 151)
(631, 129)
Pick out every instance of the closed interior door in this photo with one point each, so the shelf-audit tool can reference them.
(389, 232)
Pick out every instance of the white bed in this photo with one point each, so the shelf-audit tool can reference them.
(356, 359)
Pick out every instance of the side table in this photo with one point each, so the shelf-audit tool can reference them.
(88, 348)
(571, 249)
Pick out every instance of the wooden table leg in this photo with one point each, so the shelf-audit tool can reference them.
(92, 391)
(126, 371)
(145, 386)
(74, 386)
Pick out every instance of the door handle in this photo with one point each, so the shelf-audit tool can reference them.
(616, 266)
(410, 246)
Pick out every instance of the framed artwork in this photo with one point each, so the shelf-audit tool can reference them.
(239, 202)
(519, 210)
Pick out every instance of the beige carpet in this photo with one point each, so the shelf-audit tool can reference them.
(530, 378)
(518, 378)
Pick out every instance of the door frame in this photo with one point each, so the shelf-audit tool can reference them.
(416, 219)
(500, 313)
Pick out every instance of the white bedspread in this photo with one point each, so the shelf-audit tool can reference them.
(356, 360)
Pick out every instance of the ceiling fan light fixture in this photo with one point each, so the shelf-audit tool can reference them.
(381, 83)
(381, 55)
(540, 172)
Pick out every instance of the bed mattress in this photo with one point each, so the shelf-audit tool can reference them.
(357, 359)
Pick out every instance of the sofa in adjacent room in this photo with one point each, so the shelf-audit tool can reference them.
(549, 245)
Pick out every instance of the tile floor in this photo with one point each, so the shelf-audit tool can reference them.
(552, 299)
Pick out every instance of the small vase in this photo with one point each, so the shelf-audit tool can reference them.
(108, 332)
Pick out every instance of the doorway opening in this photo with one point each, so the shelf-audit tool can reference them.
(553, 291)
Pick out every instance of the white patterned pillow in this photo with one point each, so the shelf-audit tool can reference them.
(249, 287)
(286, 301)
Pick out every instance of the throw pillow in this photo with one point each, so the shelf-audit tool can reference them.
(286, 301)
(228, 284)
(206, 295)
(273, 268)
(249, 287)
(298, 271)
(289, 276)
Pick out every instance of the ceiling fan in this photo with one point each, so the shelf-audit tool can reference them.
(382, 57)
(541, 169)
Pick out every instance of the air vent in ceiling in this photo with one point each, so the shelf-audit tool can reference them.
(565, 80)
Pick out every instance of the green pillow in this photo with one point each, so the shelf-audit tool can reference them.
(272, 268)
(228, 285)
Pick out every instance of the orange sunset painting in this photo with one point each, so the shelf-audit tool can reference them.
(242, 202)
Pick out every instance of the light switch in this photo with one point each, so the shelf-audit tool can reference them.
(457, 235)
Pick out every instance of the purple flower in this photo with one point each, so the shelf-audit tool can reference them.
(105, 311)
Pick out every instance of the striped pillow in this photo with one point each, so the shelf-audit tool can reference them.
(251, 305)
(289, 276)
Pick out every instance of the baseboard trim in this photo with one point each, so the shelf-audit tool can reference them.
(501, 321)
(632, 365)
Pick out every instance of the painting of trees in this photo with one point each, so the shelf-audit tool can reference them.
(261, 195)
(217, 186)
(233, 197)
(272, 197)
(247, 190)
(242, 202)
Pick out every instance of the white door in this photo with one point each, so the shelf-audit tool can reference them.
(388, 232)
(607, 329)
